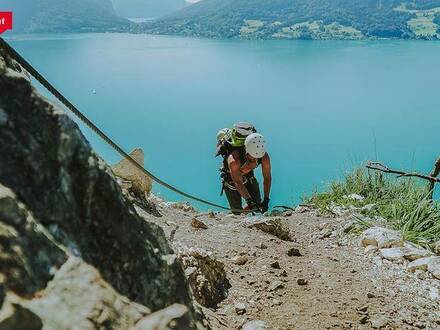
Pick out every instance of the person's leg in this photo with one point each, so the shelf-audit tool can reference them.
(254, 190)
(234, 199)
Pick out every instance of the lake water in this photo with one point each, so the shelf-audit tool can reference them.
(324, 106)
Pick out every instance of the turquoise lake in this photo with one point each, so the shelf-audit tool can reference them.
(323, 106)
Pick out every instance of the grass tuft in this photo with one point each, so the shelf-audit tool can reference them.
(402, 203)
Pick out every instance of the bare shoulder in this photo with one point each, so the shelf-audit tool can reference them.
(234, 160)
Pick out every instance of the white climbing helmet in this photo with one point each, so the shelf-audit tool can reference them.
(244, 129)
(222, 134)
(255, 145)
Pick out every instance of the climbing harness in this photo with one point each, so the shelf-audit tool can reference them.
(30, 69)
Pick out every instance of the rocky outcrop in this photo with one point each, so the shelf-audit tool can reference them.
(59, 196)
(138, 182)
(206, 275)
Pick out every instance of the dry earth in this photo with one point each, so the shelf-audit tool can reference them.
(334, 284)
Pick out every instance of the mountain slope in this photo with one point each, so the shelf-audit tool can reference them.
(303, 19)
(147, 8)
(64, 16)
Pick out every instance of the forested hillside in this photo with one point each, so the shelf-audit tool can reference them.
(304, 19)
(147, 8)
(64, 16)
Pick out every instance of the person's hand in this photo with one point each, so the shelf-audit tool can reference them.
(264, 206)
(251, 205)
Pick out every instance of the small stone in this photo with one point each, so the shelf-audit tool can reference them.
(370, 249)
(262, 246)
(423, 264)
(355, 197)
(255, 325)
(363, 319)
(276, 302)
(294, 252)
(392, 254)
(381, 237)
(284, 273)
(275, 265)
(240, 308)
(239, 260)
(363, 309)
(276, 285)
(198, 224)
(379, 321)
(434, 294)
(370, 295)
(302, 281)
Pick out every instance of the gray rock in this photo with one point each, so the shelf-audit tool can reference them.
(294, 252)
(302, 281)
(47, 162)
(275, 265)
(173, 317)
(423, 263)
(379, 321)
(276, 285)
(255, 325)
(276, 227)
(206, 276)
(392, 254)
(381, 237)
(198, 224)
(239, 260)
(82, 298)
(240, 308)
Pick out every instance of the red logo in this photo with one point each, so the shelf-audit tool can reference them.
(5, 21)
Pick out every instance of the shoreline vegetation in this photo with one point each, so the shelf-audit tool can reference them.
(306, 19)
(372, 198)
(244, 19)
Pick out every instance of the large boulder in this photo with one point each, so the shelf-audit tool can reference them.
(50, 167)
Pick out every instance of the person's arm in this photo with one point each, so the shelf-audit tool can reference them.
(267, 182)
(267, 175)
(237, 177)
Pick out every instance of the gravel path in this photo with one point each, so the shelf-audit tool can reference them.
(334, 284)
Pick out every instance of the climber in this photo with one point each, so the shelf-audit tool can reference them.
(243, 150)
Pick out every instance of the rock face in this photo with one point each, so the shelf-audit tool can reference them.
(206, 275)
(53, 180)
(139, 181)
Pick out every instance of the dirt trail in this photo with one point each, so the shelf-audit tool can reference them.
(345, 288)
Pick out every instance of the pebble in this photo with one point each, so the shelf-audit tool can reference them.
(239, 260)
(262, 246)
(276, 285)
(198, 224)
(294, 252)
(363, 319)
(275, 265)
(240, 308)
(302, 281)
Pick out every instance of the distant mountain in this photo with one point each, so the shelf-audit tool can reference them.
(303, 19)
(147, 8)
(64, 16)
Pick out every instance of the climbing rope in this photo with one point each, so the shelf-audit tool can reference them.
(33, 72)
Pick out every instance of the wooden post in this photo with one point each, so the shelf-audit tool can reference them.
(434, 173)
